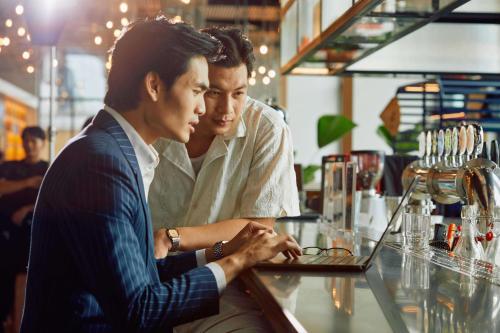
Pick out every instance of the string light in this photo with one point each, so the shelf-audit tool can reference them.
(266, 80)
(124, 21)
(109, 24)
(98, 40)
(19, 9)
(123, 7)
(8, 23)
(21, 32)
(6, 41)
(271, 73)
(117, 33)
(252, 81)
(263, 49)
(30, 69)
(26, 55)
(261, 69)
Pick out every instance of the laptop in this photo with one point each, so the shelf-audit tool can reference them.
(337, 263)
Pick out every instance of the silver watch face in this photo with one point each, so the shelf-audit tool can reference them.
(440, 143)
(447, 142)
(454, 141)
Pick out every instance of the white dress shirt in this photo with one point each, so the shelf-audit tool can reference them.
(247, 173)
(148, 159)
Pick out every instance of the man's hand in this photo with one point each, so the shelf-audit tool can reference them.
(19, 215)
(162, 243)
(252, 228)
(33, 182)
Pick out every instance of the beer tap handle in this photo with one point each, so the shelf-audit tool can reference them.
(485, 153)
(494, 153)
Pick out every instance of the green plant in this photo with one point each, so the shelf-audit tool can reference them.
(403, 142)
(330, 129)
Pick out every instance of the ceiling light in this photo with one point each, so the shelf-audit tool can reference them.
(124, 21)
(123, 7)
(261, 69)
(21, 32)
(271, 73)
(26, 55)
(266, 80)
(19, 10)
(8, 23)
(98, 40)
(252, 81)
(117, 33)
(109, 24)
(263, 49)
(30, 69)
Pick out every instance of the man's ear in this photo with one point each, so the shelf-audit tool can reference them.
(152, 83)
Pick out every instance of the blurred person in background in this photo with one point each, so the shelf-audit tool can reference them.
(19, 185)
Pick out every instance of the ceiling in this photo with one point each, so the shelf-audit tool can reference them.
(87, 19)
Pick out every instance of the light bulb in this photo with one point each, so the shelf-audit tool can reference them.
(98, 40)
(263, 49)
(117, 33)
(30, 69)
(254, 74)
(252, 81)
(109, 24)
(21, 32)
(271, 73)
(26, 55)
(19, 9)
(6, 41)
(124, 21)
(261, 69)
(266, 80)
(123, 7)
(8, 23)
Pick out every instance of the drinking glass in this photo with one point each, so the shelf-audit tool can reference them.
(416, 231)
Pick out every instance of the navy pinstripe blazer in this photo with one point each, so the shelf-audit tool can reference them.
(91, 266)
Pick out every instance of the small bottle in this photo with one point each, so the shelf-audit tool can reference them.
(468, 246)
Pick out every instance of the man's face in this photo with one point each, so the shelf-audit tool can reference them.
(176, 113)
(224, 100)
(33, 146)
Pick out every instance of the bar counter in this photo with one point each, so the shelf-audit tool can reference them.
(399, 292)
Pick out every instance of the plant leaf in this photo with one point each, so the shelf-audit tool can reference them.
(385, 135)
(309, 172)
(332, 127)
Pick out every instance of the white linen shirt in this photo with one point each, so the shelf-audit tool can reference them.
(248, 173)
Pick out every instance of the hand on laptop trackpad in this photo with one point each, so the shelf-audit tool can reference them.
(281, 258)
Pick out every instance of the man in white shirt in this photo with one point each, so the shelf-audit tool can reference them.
(236, 167)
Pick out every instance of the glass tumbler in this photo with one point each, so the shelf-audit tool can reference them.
(416, 231)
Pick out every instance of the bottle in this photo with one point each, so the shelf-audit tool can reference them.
(468, 246)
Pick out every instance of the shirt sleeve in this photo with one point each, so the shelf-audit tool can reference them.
(220, 276)
(271, 188)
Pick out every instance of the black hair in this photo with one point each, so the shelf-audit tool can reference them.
(237, 49)
(153, 45)
(33, 131)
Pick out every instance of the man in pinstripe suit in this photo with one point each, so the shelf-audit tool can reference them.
(91, 266)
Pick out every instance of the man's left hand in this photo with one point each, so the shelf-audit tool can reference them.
(162, 243)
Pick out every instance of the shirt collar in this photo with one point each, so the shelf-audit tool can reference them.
(147, 156)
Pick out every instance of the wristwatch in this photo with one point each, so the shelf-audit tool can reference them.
(217, 248)
(175, 239)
